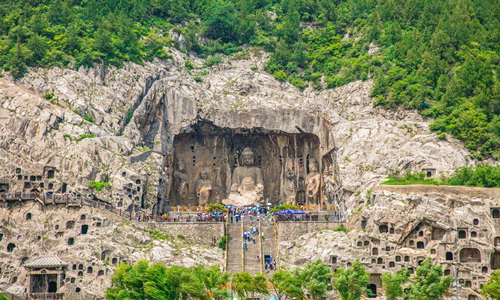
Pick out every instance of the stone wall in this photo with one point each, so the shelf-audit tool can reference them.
(289, 231)
(202, 233)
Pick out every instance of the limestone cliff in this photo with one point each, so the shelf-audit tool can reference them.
(61, 130)
(93, 242)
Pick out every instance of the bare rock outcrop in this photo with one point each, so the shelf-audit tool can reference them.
(92, 241)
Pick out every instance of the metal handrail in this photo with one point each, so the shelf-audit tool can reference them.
(276, 245)
(242, 248)
(227, 241)
(260, 245)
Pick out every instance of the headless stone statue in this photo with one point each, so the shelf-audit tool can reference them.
(203, 188)
(313, 181)
(247, 186)
(289, 188)
(181, 183)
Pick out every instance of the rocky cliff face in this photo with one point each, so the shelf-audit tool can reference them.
(120, 127)
(92, 241)
(62, 129)
(398, 227)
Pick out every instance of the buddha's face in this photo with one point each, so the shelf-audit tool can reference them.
(313, 168)
(289, 174)
(182, 166)
(247, 159)
(203, 174)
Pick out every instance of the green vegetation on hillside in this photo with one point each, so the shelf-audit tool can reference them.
(440, 57)
(479, 176)
(155, 281)
(98, 185)
(411, 178)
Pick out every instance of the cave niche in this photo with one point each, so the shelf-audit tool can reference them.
(204, 146)
(470, 255)
(495, 260)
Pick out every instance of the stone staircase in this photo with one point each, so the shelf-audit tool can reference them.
(252, 265)
(234, 247)
(262, 248)
(268, 244)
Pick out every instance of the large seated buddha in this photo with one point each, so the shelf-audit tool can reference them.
(247, 187)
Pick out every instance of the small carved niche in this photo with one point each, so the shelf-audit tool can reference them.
(437, 233)
(470, 255)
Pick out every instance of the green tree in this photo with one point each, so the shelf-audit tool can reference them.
(291, 24)
(3, 297)
(428, 283)
(286, 283)
(216, 207)
(246, 285)
(17, 64)
(38, 48)
(103, 42)
(492, 288)
(392, 283)
(221, 21)
(315, 278)
(214, 282)
(283, 207)
(351, 283)
(157, 282)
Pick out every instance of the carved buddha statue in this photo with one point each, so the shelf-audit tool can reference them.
(180, 182)
(289, 188)
(203, 188)
(247, 186)
(313, 182)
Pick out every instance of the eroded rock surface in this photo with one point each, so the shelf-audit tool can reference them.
(61, 130)
(399, 227)
(93, 242)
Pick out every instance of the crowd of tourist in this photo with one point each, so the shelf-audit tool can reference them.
(238, 213)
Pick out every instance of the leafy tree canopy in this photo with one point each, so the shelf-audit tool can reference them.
(428, 283)
(352, 283)
(492, 288)
(157, 282)
(392, 283)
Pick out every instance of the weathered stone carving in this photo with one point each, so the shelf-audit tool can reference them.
(329, 184)
(289, 188)
(313, 182)
(203, 188)
(180, 182)
(247, 186)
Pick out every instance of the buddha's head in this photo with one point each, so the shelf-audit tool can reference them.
(203, 174)
(247, 157)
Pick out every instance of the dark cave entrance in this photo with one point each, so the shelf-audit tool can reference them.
(217, 150)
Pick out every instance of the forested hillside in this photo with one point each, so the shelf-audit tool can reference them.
(440, 57)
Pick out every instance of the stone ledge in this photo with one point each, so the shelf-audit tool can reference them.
(473, 192)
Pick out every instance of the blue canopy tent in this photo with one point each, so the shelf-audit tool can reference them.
(290, 211)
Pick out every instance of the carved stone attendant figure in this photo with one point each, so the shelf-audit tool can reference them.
(329, 184)
(203, 188)
(289, 189)
(313, 181)
(181, 182)
(247, 187)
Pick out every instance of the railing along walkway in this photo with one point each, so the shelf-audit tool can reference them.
(45, 296)
(71, 200)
